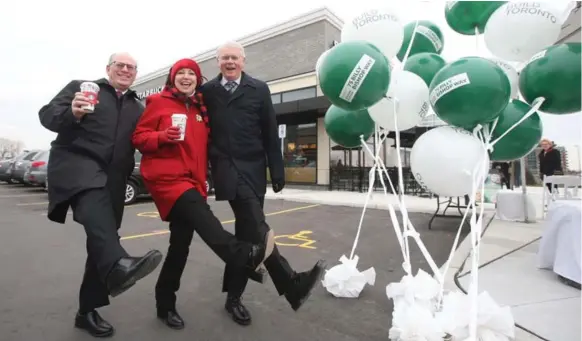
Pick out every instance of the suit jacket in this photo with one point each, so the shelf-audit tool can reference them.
(170, 169)
(550, 162)
(93, 152)
(243, 136)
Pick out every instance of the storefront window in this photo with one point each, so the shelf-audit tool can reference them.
(296, 95)
(300, 153)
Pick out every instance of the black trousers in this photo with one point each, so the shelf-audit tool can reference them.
(191, 213)
(100, 211)
(250, 224)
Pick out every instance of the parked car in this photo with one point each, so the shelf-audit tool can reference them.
(4, 167)
(36, 173)
(136, 188)
(20, 166)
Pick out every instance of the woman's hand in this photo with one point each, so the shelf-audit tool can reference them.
(170, 135)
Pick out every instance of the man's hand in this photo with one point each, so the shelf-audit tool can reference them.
(77, 105)
(278, 185)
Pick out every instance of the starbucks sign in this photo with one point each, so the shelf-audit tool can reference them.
(146, 93)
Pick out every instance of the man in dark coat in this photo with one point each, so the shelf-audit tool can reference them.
(90, 161)
(243, 142)
(550, 161)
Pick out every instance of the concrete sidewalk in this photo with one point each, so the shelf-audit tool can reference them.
(499, 239)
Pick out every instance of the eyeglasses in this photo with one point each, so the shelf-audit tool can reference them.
(120, 66)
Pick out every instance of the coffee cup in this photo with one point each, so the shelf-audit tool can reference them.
(179, 120)
(91, 91)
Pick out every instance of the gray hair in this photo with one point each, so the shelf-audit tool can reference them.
(112, 57)
(231, 44)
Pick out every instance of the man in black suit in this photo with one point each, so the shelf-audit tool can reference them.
(90, 161)
(244, 141)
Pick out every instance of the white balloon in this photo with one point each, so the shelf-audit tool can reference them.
(444, 160)
(518, 30)
(512, 75)
(378, 26)
(411, 93)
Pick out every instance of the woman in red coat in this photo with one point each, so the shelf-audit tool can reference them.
(174, 171)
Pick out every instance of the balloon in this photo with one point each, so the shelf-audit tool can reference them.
(469, 91)
(554, 74)
(517, 30)
(379, 26)
(520, 140)
(511, 74)
(464, 16)
(425, 65)
(318, 62)
(444, 159)
(345, 127)
(412, 95)
(428, 38)
(354, 75)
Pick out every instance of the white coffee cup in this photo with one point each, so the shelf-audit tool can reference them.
(91, 91)
(179, 120)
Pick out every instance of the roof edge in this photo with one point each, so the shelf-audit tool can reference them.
(322, 13)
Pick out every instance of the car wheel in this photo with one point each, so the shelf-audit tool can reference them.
(130, 193)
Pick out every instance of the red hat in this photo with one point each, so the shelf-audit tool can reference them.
(186, 63)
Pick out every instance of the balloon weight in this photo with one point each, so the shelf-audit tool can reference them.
(345, 127)
(554, 74)
(354, 75)
(520, 140)
(469, 91)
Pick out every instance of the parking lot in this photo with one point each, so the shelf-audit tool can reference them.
(42, 263)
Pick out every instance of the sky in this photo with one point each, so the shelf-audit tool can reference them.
(42, 52)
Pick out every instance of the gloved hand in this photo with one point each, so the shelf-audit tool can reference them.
(169, 135)
(278, 185)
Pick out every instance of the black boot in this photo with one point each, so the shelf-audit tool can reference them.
(94, 324)
(129, 270)
(303, 284)
(171, 318)
(237, 311)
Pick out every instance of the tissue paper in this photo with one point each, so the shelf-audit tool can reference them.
(345, 280)
(421, 289)
(413, 323)
(494, 323)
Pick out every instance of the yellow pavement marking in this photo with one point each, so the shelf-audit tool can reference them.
(157, 233)
(300, 239)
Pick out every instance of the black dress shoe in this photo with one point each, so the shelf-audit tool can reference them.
(260, 252)
(237, 311)
(171, 318)
(129, 270)
(94, 324)
(303, 285)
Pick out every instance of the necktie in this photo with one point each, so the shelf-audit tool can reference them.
(119, 93)
(230, 86)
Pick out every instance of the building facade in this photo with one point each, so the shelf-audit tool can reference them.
(284, 56)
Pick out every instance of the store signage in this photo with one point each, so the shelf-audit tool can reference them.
(148, 92)
(282, 131)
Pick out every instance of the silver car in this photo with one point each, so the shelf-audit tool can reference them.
(20, 166)
(36, 173)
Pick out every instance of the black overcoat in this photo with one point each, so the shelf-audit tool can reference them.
(243, 136)
(93, 152)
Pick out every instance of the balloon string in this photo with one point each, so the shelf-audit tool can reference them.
(409, 45)
(537, 104)
(370, 189)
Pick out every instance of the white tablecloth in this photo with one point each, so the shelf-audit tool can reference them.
(560, 247)
(509, 206)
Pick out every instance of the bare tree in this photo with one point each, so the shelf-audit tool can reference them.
(10, 148)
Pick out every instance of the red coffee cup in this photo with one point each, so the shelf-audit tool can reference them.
(91, 91)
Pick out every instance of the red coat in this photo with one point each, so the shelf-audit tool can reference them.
(171, 169)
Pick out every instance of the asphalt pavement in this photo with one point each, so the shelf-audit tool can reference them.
(42, 263)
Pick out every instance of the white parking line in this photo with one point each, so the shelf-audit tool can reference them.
(20, 195)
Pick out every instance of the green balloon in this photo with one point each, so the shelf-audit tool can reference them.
(469, 91)
(520, 140)
(354, 75)
(425, 65)
(428, 38)
(464, 16)
(345, 127)
(554, 74)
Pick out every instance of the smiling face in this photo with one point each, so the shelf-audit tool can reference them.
(231, 61)
(121, 71)
(185, 81)
(545, 144)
